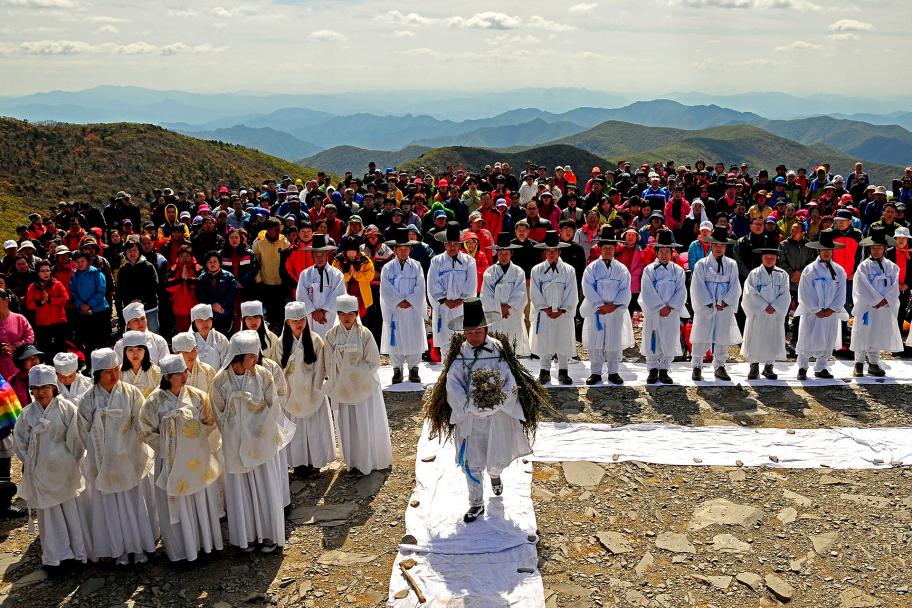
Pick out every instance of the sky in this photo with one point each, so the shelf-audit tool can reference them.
(802, 47)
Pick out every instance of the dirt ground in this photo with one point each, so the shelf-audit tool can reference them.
(826, 538)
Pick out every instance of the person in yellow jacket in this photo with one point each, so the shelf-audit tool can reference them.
(357, 272)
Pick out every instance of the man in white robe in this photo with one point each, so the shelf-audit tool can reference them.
(821, 306)
(319, 286)
(765, 303)
(135, 317)
(715, 291)
(663, 298)
(71, 384)
(503, 290)
(403, 307)
(451, 279)
(875, 293)
(554, 299)
(607, 329)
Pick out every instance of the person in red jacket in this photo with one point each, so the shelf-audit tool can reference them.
(47, 299)
(299, 256)
(470, 245)
(181, 284)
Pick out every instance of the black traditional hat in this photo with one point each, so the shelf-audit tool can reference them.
(451, 234)
(664, 238)
(719, 236)
(473, 316)
(504, 241)
(878, 236)
(826, 240)
(319, 244)
(552, 241)
(607, 237)
(401, 238)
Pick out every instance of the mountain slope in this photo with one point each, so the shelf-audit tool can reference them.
(662, 113)
(524, 134)
(614, 138)
(474, 159)
(340, 159)
(265, 139)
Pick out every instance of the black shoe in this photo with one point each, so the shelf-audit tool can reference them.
(768, 373)
(268, 547)
(697, 374)
(397, 376)
(472, 514)
(305, 471)
(653, 376)
(413, 375)
(615, 379)
(876, 370)
(754, 372)
(790, 350)
(533, 357)
(593, 379)
(802, 374)
(824, 374)
(497, 486)
(858, 372)
(544, 376)
(664, 378)
(563, 377)
(721, 374)
(12, 512)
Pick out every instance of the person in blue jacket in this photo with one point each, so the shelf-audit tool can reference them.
(87, 291)
(217, 288)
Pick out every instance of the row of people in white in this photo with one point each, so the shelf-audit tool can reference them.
(115, 470)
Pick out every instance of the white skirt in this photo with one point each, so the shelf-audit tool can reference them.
(124, 522)
(64, 532)
(255, 502)
(198, 527)
(494, 442)
(364, 434)
(314, 441)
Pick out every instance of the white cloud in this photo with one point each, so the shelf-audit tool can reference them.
(488, 20)
(592, 56)
(78, 47)
(583, 7)
(108, 29)
(234, 11)
(413, 19)
(327, 36)
(403, 34)
(842, 37)
(53, 47)
(39, 3)
(798, 5)
(851, 25)
(552, 26)
(182, 12)
(106, 19)
(512, 40)
(798, 45)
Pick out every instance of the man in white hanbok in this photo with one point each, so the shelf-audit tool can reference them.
(663, 298)
(875, 294)
(451, 279)
(319, 286)
(403, 307)
(765, 303)
(607, 329)
(554, 299)
(211, 344)
(504, 290)
(715, 291)
(821, 306)
(71, 384)
(135, 317)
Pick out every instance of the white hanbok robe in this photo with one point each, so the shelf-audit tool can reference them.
(403, 328)
(451, 279)
(200, 376)
(709, 287)
(306, 405)
(48, 443)
(316, 297)
(660, 287)
(498, 287)
(254, 433)
(353, 386)
(212, 349)
(75, 390)
(764, 334)
(158, 347)
(603, 285)
(179, 428)
(491, 438)
(558, 291)
(876, 329)
(147, 380)
(118, 470)
(818, 290)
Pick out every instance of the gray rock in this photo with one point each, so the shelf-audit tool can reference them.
(798, 499)
(875, 502)
(727, 543)
(615, 542)
(676, 543)
(721, 583)
(856, 598)
(91, 585)
(323, 514)
(570, 590)
(824, 541)
(750, 579)
(583, 473)
(645, 564)
(723, 512)
(635, 598)
(31, 578)
(781, 589)
(737, 475)
(369, 485)
(787, 515)
(345, 558)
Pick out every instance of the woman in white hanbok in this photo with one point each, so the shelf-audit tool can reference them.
(252, 319)
(211, 344)
(137, 368)
(71, 384)
(199, 374)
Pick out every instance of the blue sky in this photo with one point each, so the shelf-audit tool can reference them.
(632, 47)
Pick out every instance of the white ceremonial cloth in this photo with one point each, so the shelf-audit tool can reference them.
(318, 295)
(709, 287)
(452, 279)
(875, 329)
(818, 290)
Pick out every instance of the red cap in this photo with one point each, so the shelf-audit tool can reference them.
(443, 183)
(596, 170)
(223, 190)
(203, 207)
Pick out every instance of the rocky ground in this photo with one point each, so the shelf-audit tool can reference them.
(635, 535)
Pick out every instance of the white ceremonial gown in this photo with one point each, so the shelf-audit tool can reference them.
(499, 287)
(875, 329)
(708, 287)
(660, 287)
(764, 333)
(75, 390)
(452, 279)
(555, 289)
(603, 285)
(320, 293)
(200, 376)
(158, 347)
(403, 328)
(818, 290)
(147, 380)
(212, 349)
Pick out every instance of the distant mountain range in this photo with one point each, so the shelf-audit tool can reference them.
(277, 143)
(340, 159)
(476, 158)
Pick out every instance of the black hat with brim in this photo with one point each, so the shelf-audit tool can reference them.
(827, 241)
(766, 250)
(474, 316)
(878, 236)
(552, 241)
(664, 238)
(719, 236)
(319, 244)
(401, 238)
(451, 234)
(607, 237)
(504, 242)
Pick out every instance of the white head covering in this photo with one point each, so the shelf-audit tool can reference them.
(66, 363)
(183, 342)
(134, 338)
(252, 308)
(42, 375)
(172, 364)
(104, 358)
(133, 310)
(346, 303)
(295, 311)
(706, 225)
(200, 312)
(701, 217)
(246, 342)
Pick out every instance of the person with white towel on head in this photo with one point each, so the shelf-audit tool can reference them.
(554, 296)
(607, 329)
(176, 421)
(137, 368)
(765, 301)
(199, 374)
(319, 286)
(254, 432)
(451, 279)
(71, 384)
(252, 318)
(46, 438)
(118, 465)
(211, 344)
(403, 307)
(135, 317)
(300, 356)
(353, 386)
(503, 288)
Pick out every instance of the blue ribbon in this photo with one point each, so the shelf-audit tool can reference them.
(598, 322)
(652, 342)
(864, 318)
(537, 322)
(439, 324)
(462, 462)
(393, 332)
